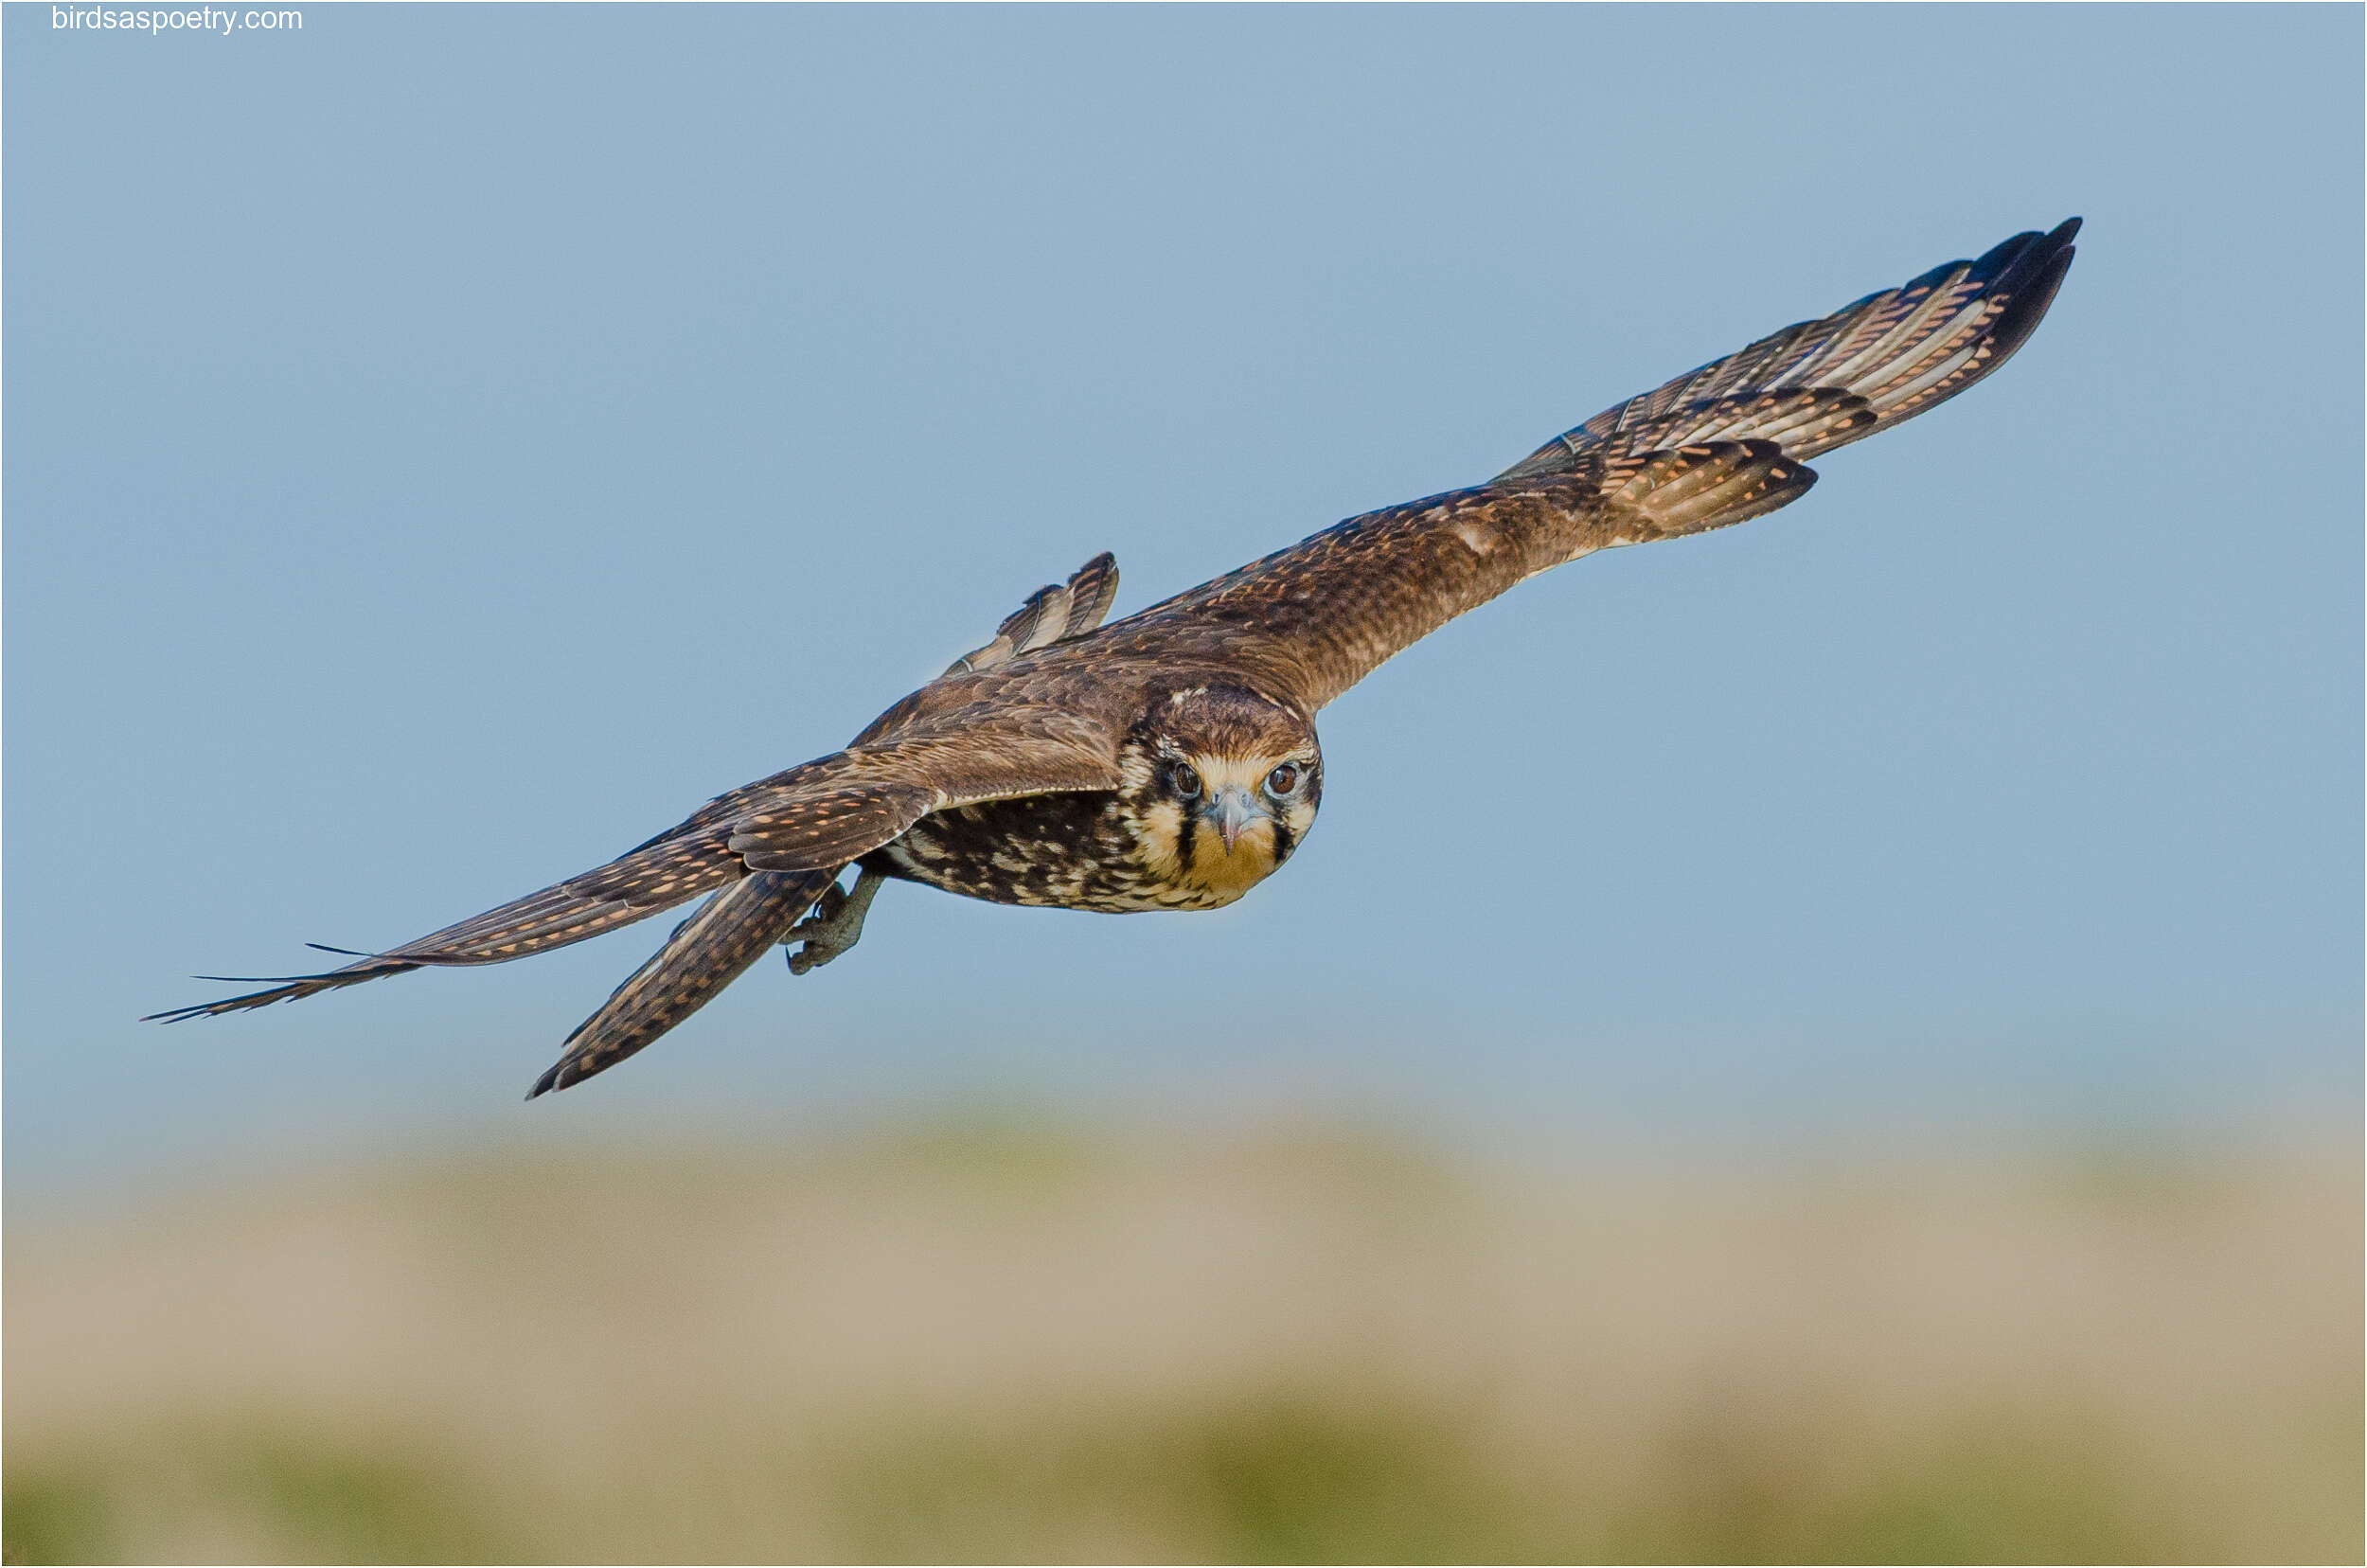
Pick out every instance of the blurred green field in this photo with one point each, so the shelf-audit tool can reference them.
(996, 1341)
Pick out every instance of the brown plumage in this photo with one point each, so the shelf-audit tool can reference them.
(1169, 760)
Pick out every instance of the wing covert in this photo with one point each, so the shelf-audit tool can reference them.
(813, 832)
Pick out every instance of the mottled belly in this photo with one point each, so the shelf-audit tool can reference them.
(1060, 852)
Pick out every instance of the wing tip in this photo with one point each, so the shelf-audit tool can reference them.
(2049, 261)
(283, 988)
(217, 1009)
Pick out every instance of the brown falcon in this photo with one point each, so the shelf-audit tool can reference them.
(1168, 760)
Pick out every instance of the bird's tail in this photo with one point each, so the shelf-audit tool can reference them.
(707, 952)
(1053, 613)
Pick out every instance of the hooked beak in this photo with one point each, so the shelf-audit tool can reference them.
(1234, 810)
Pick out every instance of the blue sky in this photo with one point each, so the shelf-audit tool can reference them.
(444, 445)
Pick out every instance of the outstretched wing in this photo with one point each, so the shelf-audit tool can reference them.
(1722, 444)
(811, 819)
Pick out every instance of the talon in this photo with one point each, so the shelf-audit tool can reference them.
(835, 925)
(816, 953)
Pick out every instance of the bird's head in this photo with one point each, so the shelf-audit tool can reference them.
(1222, 784)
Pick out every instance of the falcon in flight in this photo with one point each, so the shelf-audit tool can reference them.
(1168, 760)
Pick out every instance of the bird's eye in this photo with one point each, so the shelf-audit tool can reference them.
(1187, 782)
(1283, 780)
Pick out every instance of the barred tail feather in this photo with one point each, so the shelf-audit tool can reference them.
(1053, 613)
(707, 952)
